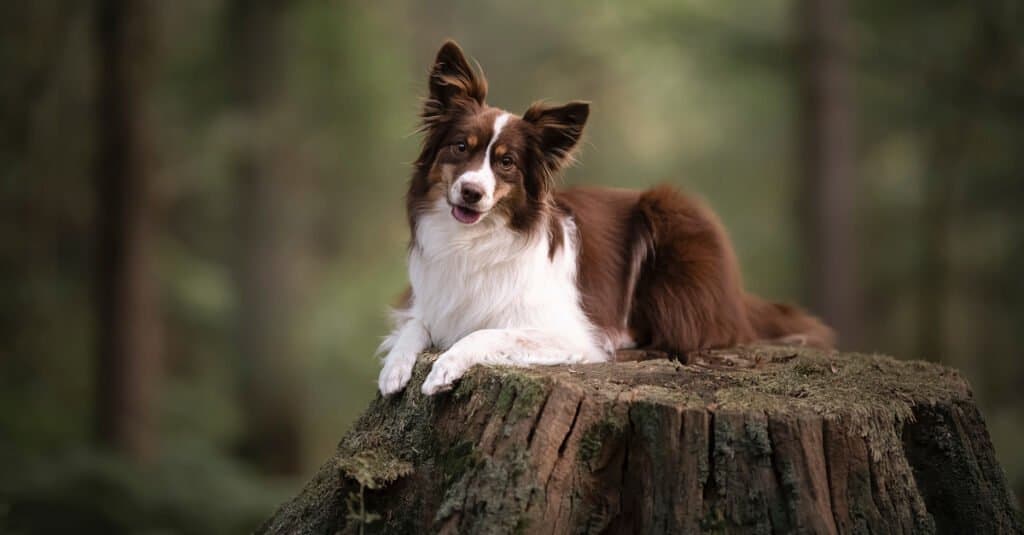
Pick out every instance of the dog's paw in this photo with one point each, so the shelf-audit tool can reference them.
(447, 369)
(395, 375)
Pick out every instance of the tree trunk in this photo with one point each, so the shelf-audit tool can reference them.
(828, 192)
(271, 396)
(128, 326)
(752, 440)
(755, 440)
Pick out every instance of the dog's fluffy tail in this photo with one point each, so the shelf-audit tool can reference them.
(787, 323)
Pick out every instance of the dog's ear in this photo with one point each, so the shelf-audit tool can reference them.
(559, 129)
(453, 83)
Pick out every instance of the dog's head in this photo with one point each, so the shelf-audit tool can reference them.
(479, 161)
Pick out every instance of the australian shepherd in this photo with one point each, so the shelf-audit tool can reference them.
(506, 270)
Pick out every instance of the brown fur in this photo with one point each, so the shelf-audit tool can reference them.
(658, 266)
(455, 112)
(655, 267)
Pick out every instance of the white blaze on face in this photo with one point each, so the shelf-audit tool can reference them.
(484, 176)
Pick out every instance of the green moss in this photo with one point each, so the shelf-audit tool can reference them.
(400, 425)
(470, 383)
(646, 420)
(852, 385)
(456, 460)
(757, 437)
(722, 452)
(703, 469)
(594, 437)
(506, 396)
(807, 369)
(529, 395)
(790, 485)
(374, 468)
(492, 495)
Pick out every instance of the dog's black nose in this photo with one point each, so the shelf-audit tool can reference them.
(471, 193)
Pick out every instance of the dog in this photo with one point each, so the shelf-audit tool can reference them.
(506, 270)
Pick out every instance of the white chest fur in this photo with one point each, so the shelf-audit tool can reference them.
(487, 276)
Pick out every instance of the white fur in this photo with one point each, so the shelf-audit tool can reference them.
(484, 176)
(408, 339)
(488, 295)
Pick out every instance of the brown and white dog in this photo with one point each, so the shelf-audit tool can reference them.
(505, 270)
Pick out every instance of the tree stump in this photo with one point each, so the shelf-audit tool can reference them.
(750, 440)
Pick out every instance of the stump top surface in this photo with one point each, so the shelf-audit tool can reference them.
(758, 377)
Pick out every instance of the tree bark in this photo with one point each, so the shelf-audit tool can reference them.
(751, 440)
(265, 254)
(128, 325)
(828, 192)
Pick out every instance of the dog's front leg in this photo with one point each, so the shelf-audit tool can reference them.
(408, 339)
(503, 347)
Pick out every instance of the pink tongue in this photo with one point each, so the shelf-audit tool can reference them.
(465, 215)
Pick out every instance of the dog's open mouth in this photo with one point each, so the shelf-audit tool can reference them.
(466, 215)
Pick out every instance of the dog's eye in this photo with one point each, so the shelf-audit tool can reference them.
(507, 162)
(460, 147)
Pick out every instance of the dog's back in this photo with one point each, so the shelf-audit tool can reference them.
(657, 270)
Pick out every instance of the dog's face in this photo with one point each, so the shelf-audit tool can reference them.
(479, 161)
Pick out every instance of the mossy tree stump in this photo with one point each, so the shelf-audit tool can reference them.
(759, 440)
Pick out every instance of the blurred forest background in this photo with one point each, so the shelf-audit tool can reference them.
(202, 215)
